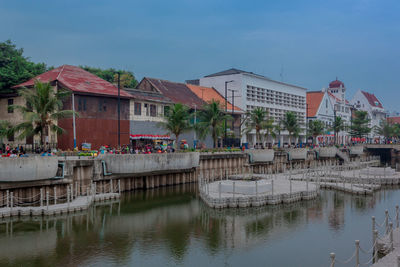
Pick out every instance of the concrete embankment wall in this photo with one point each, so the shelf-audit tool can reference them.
(140, 171)
(27, 169)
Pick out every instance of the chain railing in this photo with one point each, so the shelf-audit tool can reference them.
(386, 239)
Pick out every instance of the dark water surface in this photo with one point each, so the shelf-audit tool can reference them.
(172, 227)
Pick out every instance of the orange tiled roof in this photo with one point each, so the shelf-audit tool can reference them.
(313, 101)
(208, 94)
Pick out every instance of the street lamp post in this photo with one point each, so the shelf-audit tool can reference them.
(119, 110)
(226, 105)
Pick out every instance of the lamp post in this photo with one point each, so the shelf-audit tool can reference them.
(226, 105)
(119, 110)
(233, 107)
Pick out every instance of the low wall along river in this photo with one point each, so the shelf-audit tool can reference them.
(28, 177)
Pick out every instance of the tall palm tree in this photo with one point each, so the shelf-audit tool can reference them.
(258, 120)
(291, 124)
(211, 118)
(42, 111)
(315, 128)
(337, 126)
(177, 121)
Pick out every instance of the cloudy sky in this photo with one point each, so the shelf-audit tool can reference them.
(307, 43)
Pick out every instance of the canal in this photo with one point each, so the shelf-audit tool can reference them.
(170, 226)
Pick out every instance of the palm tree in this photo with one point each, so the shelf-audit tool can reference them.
(337, 126)
(291, 124)
(177, 121)
(42, 111)
(385, 129)
(315, 128)
(211, 117)
(258, 120)
(6, 129)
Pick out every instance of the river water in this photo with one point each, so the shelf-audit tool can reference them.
(172, 227)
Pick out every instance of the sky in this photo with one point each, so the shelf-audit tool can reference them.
(307, 43)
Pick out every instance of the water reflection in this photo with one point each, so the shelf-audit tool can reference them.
(171, 226)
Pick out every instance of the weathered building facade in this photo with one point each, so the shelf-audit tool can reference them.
(95, 101)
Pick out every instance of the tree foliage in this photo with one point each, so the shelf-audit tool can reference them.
(385, 129)
(315, 128)
(359, 126)
(6, 129)
(259, 120)
(291, 124)
(127, 78)
(338, 126)
(177, 121)
(15, 68)
(42, 111)
(212, 118)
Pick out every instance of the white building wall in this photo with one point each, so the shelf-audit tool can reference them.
(375, 114)
(245, 83)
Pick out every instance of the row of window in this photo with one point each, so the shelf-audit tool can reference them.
(149, 109)
(269, 96)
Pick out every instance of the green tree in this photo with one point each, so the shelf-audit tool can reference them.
(127, 78)
(337, 126)
(359, 126)
(6, 129)
(315, 128)
(396, 130)
(42, 111)
(211, 118)
(177, 121)
(257, 119)
(290, 123)
(15, 68)
(385, 129)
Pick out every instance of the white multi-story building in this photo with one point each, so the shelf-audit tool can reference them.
(342, 108)
(253, 91)
(369, 102)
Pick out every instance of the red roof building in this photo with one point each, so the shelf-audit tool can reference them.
(77, 80)
(96, 102)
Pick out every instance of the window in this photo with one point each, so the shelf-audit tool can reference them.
(166, 110)
(138, 109)
(146, 107)
(153, 110)
(10, 103)
(81, 104)
(102, 105)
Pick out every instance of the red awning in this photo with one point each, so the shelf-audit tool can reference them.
(150, 136)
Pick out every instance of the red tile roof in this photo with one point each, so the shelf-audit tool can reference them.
(77, 80)
(394, 120)
(313, 102)
(372, 100)
(177, 92)
(336, 84)
(208, 94)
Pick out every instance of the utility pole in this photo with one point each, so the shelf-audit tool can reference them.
(119, 110)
